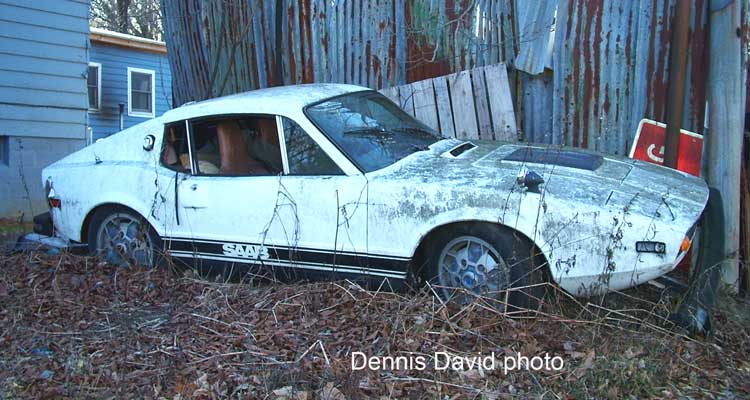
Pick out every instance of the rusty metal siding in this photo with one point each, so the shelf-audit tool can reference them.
(448, 36)
(610, 70)
(374, 43)
(535, 20)
(536, 108)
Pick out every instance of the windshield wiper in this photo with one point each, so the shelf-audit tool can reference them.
(417, 147)
(414, 129)
(367, 131)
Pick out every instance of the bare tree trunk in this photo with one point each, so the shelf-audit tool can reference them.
(187, 51)
(122, 15)
(218, 48)
(279, 20)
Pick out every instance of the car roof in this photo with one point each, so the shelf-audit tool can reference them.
(275, 100)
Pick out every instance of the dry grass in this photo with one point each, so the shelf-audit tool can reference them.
(74, 327)
(10, 230)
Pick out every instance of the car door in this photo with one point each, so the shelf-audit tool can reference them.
(243, 210)
(173, 168)
(339, 248)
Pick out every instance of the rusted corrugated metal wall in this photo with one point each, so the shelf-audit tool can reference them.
(611, 70)
(234, 46)
(447, 36)
(605, 69)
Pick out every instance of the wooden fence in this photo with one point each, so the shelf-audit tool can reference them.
(472, 104)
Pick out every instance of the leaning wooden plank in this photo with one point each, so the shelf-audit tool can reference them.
(445, 113)
(406, 98)
(391, 93)
(479, 87)
(424, 103)
(501, 104)
(462, 99)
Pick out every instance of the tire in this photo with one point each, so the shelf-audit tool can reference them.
(476, 260)
(123, 237)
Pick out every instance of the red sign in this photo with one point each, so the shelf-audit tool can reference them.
(649, 146)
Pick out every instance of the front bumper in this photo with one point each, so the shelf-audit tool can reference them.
(592, 285)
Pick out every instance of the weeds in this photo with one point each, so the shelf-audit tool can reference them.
(75, 327)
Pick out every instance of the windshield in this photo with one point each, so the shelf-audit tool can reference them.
(371, 130)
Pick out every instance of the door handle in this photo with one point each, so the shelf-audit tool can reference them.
(194, 197)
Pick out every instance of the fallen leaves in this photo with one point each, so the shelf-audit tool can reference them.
(72, 327)
(588, 363)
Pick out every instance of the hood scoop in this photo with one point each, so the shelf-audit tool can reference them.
(563, 158)
(460, 149)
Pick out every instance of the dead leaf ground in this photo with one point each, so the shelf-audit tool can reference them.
(72, 327)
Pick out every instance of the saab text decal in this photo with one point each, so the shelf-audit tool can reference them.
(245, 251)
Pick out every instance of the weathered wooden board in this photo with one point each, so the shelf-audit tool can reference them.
(444, 110)
(479, 88)
(462, 99)
(391, 93)
(406, 98)
(474, 104)
(424, 104)
(501, 103)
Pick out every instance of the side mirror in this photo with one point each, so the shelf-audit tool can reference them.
(530, 180)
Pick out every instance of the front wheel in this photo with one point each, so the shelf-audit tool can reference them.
(478, 260)
(122, 237)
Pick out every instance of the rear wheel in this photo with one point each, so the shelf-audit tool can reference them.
(122, 237)
(476, 260)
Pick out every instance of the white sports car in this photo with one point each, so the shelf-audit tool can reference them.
(337, 181)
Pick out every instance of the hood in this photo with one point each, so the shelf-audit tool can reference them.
(570, 173)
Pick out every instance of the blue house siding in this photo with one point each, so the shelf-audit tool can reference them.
(115, 61)
(43, 99)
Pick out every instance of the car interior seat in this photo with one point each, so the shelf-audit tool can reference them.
(234, 157)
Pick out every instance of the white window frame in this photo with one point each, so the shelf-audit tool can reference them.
(141, 114)
(98, 86)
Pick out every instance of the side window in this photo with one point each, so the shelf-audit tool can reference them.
(244, 146)
(175, 154)
(304, 156)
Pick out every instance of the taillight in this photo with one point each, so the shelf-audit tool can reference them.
(52, 199)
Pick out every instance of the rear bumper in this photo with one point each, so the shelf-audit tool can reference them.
(43, 224)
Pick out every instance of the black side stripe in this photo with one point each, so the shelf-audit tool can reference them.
(290, 265)
(291, 254)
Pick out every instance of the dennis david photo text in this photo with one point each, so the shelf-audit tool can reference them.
(445, 361)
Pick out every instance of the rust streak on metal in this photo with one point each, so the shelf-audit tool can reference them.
(660, 80)
(698, 53)
(577, 83)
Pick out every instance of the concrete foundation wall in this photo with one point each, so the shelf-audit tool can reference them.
(21, 188)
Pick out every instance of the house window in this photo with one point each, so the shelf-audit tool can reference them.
(94, 84)
(4, 150)
(141, 96)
